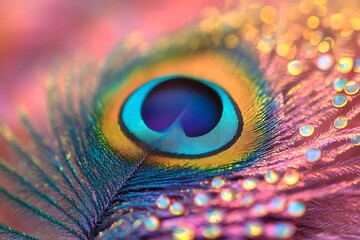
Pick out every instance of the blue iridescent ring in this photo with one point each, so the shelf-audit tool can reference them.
(182, 116)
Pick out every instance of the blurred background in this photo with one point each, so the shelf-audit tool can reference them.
(35, 34)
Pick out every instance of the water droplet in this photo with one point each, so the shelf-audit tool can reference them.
(253, 229)
(306, 130)
(276, 205)
(351, 88)
(271, 177)
(212, 232)
(296, 209)
(228, 194)
(279, 230)
(312, 155)
(340, 122)
(151, 223)
(218, 182)
(357, 65)
(295, 67)
(201, 199)
(214, 216)
(324, 62)
(183, 232)
(356, 140)
(291, 177)
(339, 100)
(339, 84)
(162, 202)
(176, 208)
(250, 183)
(345, 65)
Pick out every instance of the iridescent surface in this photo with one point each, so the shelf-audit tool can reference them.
(197, 107)
(293, 175)
(312, 155)
(181, 115)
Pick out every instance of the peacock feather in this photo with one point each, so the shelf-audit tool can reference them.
(231, 128)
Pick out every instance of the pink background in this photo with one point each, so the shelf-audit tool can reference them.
(34, 34)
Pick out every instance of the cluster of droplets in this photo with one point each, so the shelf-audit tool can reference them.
(344, 89)
(324, 34)
(236, 208)
(241, 207)
(281, 29)
(315, 44)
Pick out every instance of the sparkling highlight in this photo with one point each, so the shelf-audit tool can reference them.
(306, 130)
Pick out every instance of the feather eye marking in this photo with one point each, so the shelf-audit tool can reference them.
(181, 116)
